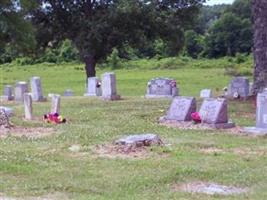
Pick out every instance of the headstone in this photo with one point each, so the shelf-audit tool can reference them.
(68, 93)
(55, 104)
(214, 112)
(181, 109)
(109, 90)
(20, 88)
(206, 93)
(8, 111)
(4, 120)
(93, 87)
(140, 140)
(161, 87)
(36, 86)
(261, 115)
(8, 94)
(239, 86)
(28, 106)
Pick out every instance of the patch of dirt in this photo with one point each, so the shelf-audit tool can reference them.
(191, 126)
(53, 196)
(209, 188)
(33, 132)
(211, 150)
(122, 151)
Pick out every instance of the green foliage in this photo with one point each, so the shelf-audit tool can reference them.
(194, 44)
(228, 36)
(113, 60)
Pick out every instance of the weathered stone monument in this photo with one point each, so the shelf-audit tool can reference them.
(55, 103)
(161, 87)
(261, 115)
(140, 140)
(68, 93)
(4, 119)
(9, 111)
(93, 87)
(28, 106)
(239, 87)
(20, 88)
(8, 93)
(214, 113)
(181, 109)
(206, 93)
(109, 90)
(37, 92)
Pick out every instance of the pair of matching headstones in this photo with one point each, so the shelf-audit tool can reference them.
(106, 88)
(212, 111)
(28, 108)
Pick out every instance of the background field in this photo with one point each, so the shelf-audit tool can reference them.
(46, 167)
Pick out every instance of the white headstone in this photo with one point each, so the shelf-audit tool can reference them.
(206, 93)
(93, 87)
(36, 86)
(28, 106)
(109, 90)
(20, 88)
(55, 104)
(261, 115)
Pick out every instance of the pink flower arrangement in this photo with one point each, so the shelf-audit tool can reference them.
(196, 117)
(54, 118)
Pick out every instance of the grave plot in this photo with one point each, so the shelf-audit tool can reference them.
(133, 146)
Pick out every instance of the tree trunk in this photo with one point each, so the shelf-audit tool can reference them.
(259, 11)
(90, 63)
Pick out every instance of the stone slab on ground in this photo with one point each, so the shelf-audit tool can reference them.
(255, 130)
(140, 140)
(8, 111)
(210, 188)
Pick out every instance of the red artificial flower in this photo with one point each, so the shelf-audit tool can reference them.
(196, 117)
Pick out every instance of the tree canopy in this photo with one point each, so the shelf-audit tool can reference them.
(95, 27)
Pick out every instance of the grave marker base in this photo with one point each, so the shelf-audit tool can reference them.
(255, 130)
(158, 96)
(111, 97)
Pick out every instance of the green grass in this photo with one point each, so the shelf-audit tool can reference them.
(38, 167)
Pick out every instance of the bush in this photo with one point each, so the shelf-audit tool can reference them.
(113, 60)
(23, 61)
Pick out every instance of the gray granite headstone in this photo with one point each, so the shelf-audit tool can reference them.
(4, 119)
(181, 109)
(239, 86)
(93, 87)
(261, 115)
(8, 92)
(206, 93)
(20, 88)
(109, 89)
(36, 86)
(68, 93)
(214, 111)
(55, 103)
(161, 87)
(28, 106)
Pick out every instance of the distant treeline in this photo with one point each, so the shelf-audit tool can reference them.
(217, 31)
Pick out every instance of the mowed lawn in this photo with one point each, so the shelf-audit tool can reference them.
(45, 167)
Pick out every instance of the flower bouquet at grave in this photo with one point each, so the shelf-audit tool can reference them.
(54, 118)
(196, 117)
(98, 84)
(173, 83)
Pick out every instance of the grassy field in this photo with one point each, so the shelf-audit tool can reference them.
(45, 167)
